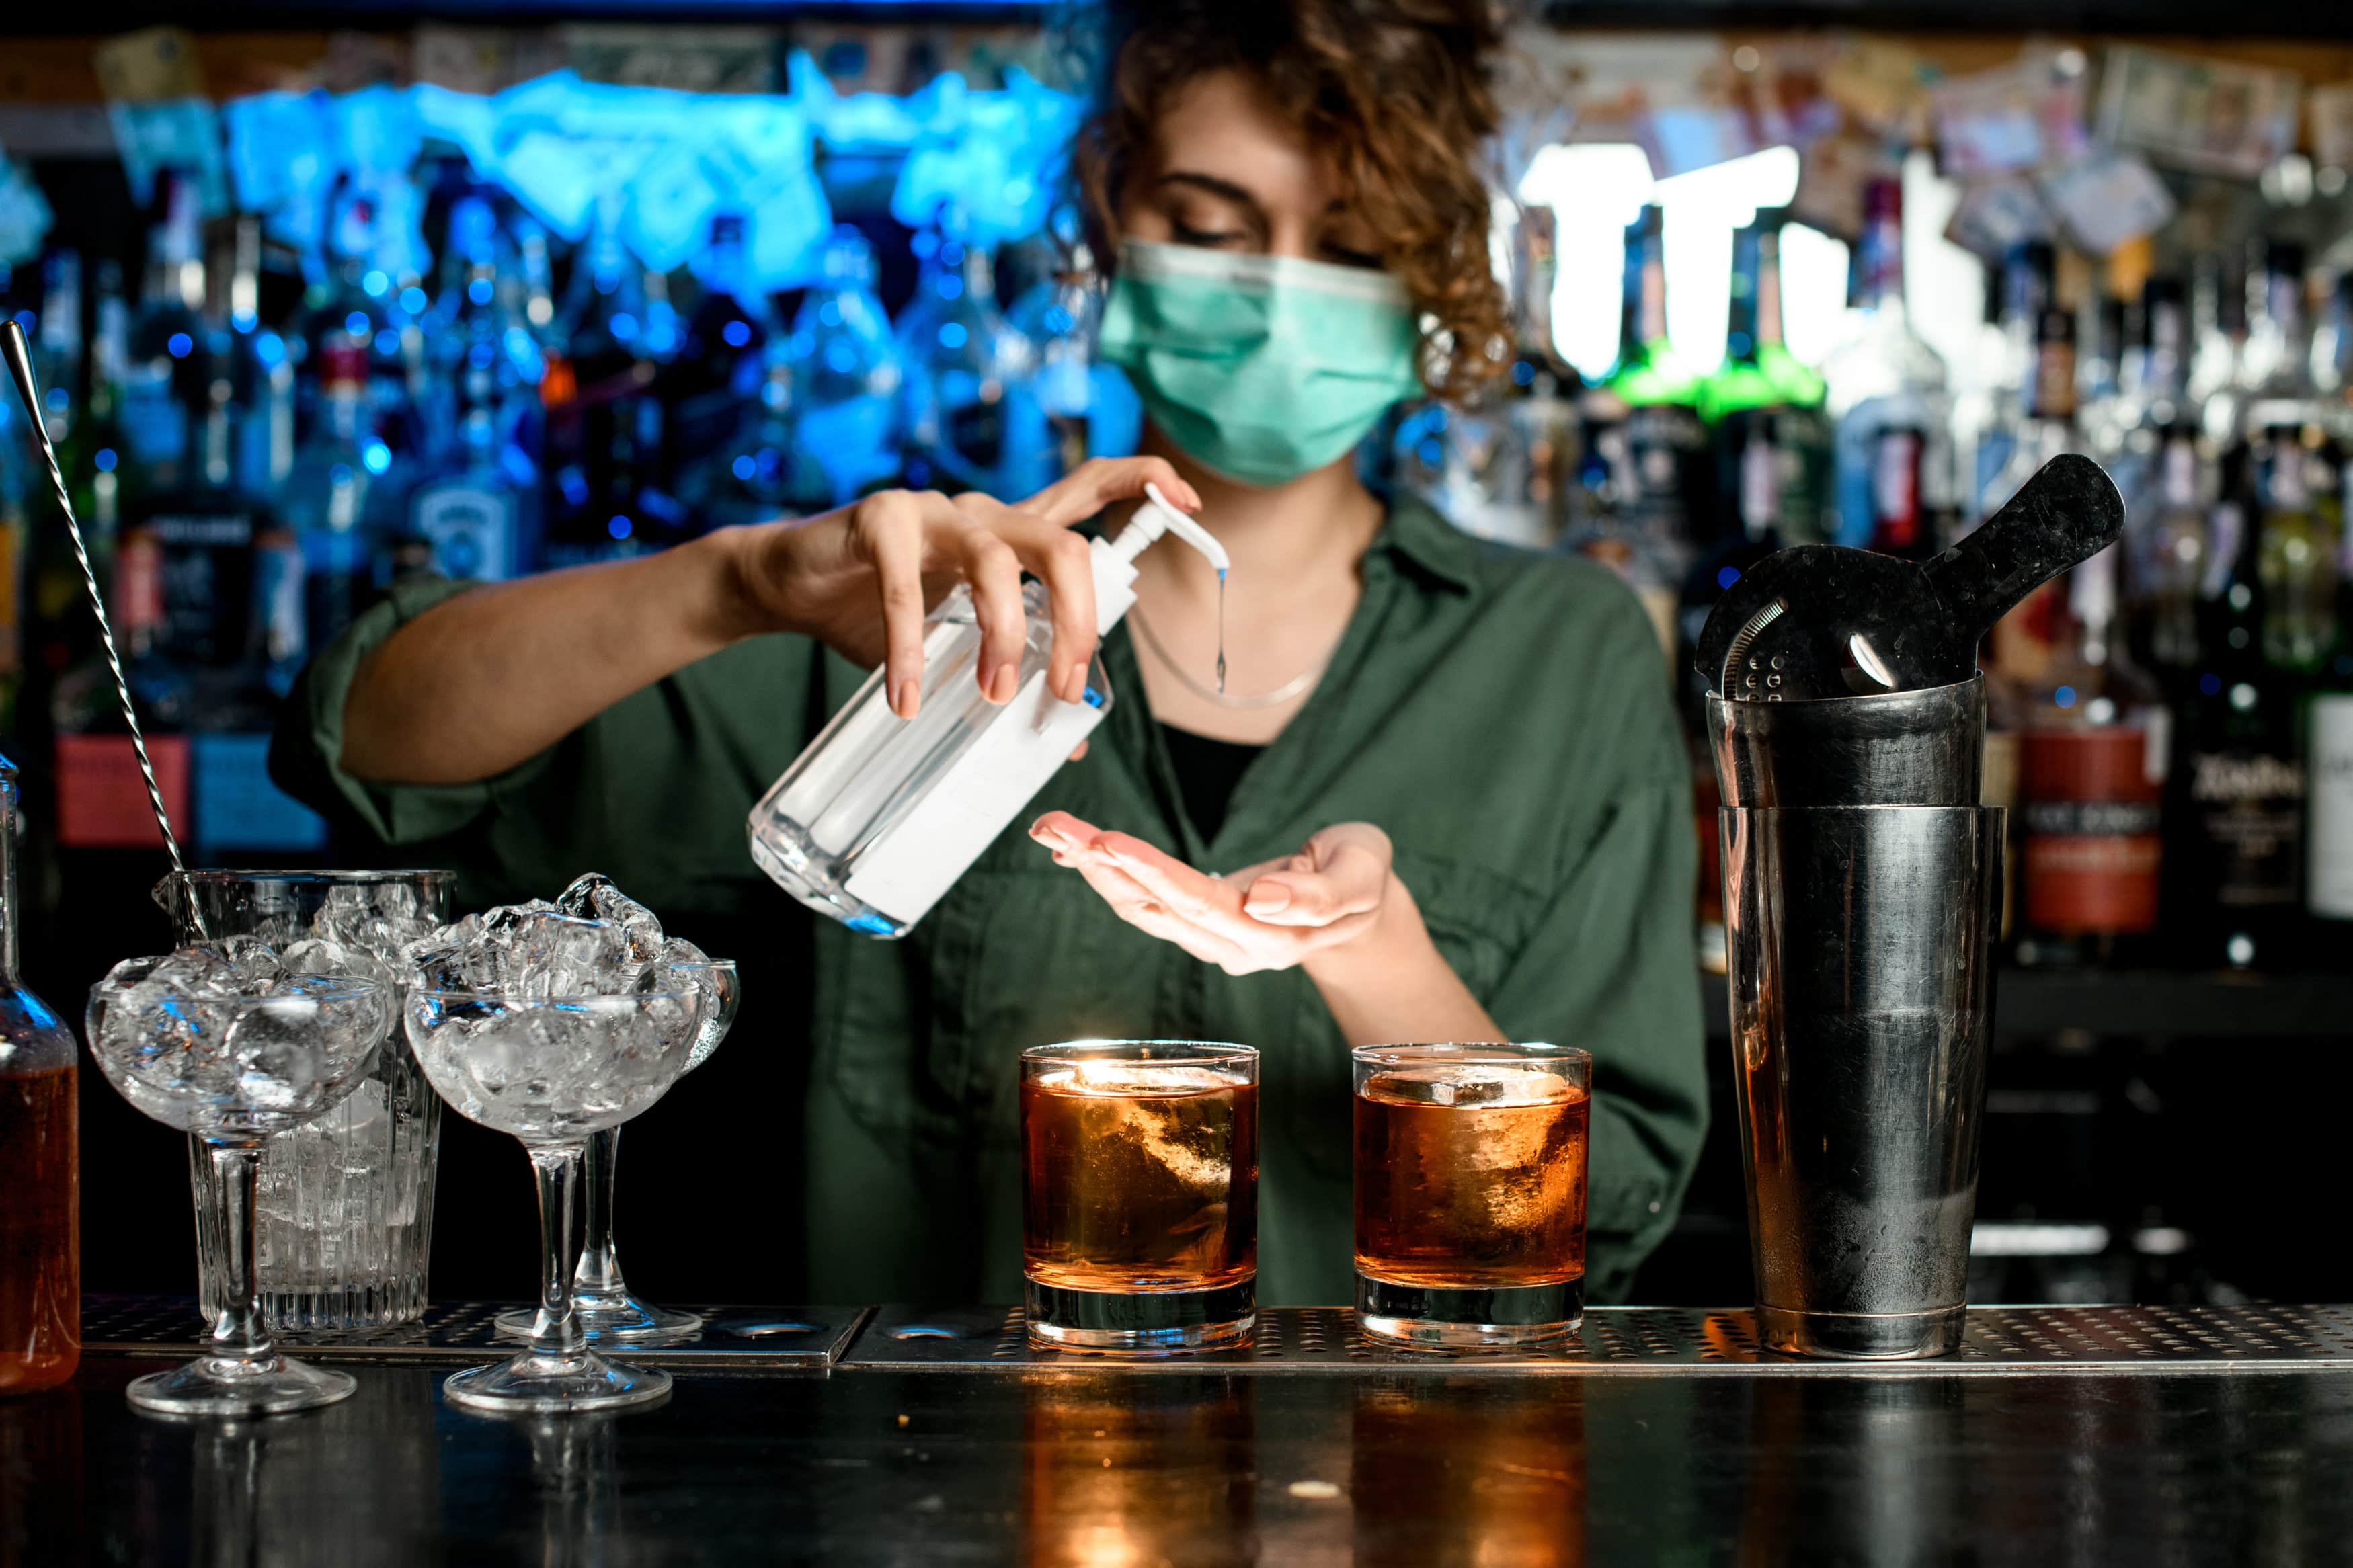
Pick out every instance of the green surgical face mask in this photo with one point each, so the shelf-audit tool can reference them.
(1260, 367)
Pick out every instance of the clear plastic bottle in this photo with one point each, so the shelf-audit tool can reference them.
(40, 1234)
(882, 815)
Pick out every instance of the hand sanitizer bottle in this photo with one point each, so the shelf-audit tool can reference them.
(882, 815)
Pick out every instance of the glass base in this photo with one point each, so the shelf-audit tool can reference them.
(227, 1385)
(612, 1319)
(543, 1385)
(1158, 1323)
(797, 864)
(1471, 1319)
(1861, 1336)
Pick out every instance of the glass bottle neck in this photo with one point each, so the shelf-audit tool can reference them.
(1878, 268)
(8, 880)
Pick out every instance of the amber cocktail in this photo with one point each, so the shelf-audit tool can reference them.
(1471, 1191)
(1140, 1194)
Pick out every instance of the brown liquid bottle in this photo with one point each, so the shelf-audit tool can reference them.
(40, 1177)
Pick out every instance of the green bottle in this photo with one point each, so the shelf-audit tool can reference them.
(1764, 405)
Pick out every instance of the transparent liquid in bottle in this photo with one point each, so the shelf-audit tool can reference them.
(860, 828)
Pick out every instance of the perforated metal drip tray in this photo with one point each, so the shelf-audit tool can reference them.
(1647, 1340)
(733, 1338)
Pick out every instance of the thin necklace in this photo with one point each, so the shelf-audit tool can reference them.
(1297, 686)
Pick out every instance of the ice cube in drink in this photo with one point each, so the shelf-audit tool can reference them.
(1470, 1177)
(1139, 1179)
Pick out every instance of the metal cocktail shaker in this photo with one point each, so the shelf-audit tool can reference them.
(1862, 902)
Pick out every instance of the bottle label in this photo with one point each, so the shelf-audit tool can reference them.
(103, 801)
(154, 425)
(1896, 489)
(2090, 864)
(207, 583)
(236, 805)
(472, 530)
(2248, 808)
(2330, 852)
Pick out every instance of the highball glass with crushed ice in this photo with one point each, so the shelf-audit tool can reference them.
(1469, 1171)
(1139, 1200)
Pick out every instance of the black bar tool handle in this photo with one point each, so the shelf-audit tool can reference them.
(2067, 513)
(19, 355)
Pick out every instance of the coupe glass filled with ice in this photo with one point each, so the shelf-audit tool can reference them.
(552, 1027)
(609, 1312)
(234, 1053)
(1140, 1194)
(345, 1204)
(1470, 1175)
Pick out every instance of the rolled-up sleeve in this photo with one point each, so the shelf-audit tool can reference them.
(306, 752)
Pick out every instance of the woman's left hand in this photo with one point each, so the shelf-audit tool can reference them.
(1275, 915)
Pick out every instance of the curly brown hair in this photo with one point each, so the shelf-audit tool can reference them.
(1398, 89)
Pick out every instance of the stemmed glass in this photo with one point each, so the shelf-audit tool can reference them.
(554, 1071)
(609, 1313)
(185, 1045)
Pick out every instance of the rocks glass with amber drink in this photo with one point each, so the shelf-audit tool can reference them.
(1139, 1194)
(1471, 1193)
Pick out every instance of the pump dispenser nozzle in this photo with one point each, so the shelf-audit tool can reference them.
(1115, 558)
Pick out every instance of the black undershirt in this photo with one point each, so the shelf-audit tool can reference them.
(1206, 772)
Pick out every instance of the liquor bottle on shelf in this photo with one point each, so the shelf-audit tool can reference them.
(234, 807)
(721, 365)
(972, 418)
(57, 345)
(1994, 413)
(332, 501)
(604, 422)
(1059, 316)
(2291, 467)
(2234, 851)
(476, 512)
(1772, 441)
(164, 379)
(205, 523)
(101, 800)
(262, 370)
(2329, 784)
(2046, 427)
(2217, 332)
(1884, 380)
(2093, 758)
(40, 1231)
(2169, 532)
(846, 373)
(1646, 455)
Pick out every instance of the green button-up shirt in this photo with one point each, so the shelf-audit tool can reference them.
(1504, 717)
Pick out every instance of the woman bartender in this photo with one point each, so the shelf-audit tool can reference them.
(1441, 779)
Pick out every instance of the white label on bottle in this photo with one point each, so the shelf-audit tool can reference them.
(472, 530)
(2328, 844)
(905, 872)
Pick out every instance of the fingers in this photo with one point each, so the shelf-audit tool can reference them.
(1097, 482)
(1065, 563)
(888, 529)
(994, 572)
(1187, 892)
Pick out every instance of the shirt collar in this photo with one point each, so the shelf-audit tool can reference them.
(1428, 544)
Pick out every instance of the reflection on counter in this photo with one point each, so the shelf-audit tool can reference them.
(1473, 1470)
(1125, 1469)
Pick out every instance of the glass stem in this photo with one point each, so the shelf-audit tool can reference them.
(600, 1265)
(557, 1331)
(239, 1334)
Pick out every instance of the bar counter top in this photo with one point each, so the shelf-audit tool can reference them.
(897, 1436)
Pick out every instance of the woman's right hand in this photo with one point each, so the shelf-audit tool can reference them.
(861, 577)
